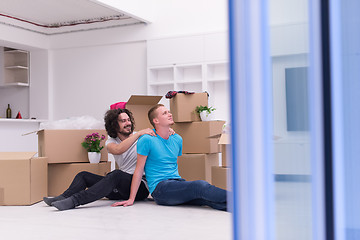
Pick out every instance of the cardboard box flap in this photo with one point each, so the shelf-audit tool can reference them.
(16, 155)
(143, 100)
(224, 139)
(215, 136)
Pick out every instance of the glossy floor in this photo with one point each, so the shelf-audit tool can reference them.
(146, 220)
(98, 220)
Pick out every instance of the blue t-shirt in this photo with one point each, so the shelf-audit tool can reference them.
(161, 162)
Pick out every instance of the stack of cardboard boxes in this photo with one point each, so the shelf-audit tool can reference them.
(66, 157)
(220, 174)
(200, 150)
(26, 179)
(23, 178)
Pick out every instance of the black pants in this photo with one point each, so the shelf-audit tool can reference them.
(88, 187)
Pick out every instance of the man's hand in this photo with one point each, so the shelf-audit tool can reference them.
(123, 203)
(148, 131)
(171, 131)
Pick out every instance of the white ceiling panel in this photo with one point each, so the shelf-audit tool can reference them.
(63, 16)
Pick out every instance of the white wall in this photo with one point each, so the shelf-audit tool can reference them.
(86, 81)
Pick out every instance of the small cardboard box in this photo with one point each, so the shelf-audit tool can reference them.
(224, 142)
(197, 166)
(139, 106)
(23, 178)
(183, 106)
(220, 177)
(196, 136)
(64, 146)
(61, 175)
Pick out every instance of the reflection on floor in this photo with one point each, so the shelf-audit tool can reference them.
(144, 220)
(293, 211)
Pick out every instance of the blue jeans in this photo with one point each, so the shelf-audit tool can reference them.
(178, 191)
(88, 187)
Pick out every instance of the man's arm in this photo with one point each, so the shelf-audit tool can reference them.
(122, 147)
(135, 183)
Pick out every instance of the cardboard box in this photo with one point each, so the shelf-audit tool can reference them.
(197, 166)
(183, 106)
(224, 142)
(61, 175)
(196, 136)
(23, 178)
(220, 177)
(139, 106)
(64, 146)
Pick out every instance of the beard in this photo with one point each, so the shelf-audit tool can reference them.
(126, 131)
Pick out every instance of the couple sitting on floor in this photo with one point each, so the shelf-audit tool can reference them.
(153, 152)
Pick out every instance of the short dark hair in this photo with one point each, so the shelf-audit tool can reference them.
(151, 113)
(111, 121)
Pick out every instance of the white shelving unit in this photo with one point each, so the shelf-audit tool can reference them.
(210, 77)
(217, 72)
(16, 67)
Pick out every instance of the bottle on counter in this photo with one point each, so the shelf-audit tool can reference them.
(8, 112)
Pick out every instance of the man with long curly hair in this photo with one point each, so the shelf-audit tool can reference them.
(88, 187)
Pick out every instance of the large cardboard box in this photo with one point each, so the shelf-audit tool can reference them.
(183, 106)
(23, 178)
(60, 175)
(139, 106)
(224, 142)
(220, 177)
(197, 166)
(64, 146)
(196, 136)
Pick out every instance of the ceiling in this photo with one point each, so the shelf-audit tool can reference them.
(51, 17)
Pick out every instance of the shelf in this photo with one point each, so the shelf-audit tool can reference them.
(15, 51)
(218, 80)
(189, 86)
(161, 74)
(160, 83)
(17, 67)
(160, 89)
(188, 73)
(16, 84)
(189, 81)
(217, 71)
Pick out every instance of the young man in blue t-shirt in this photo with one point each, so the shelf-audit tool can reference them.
(157, 156)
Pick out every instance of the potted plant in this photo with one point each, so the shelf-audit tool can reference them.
(92, 145)
(205, 112)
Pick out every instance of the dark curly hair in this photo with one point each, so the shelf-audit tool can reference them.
(111, 121)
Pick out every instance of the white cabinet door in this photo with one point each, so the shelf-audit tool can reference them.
(216, 47)
(175, 50)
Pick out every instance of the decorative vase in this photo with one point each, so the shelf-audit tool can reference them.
(94, 157)
(205, 116)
